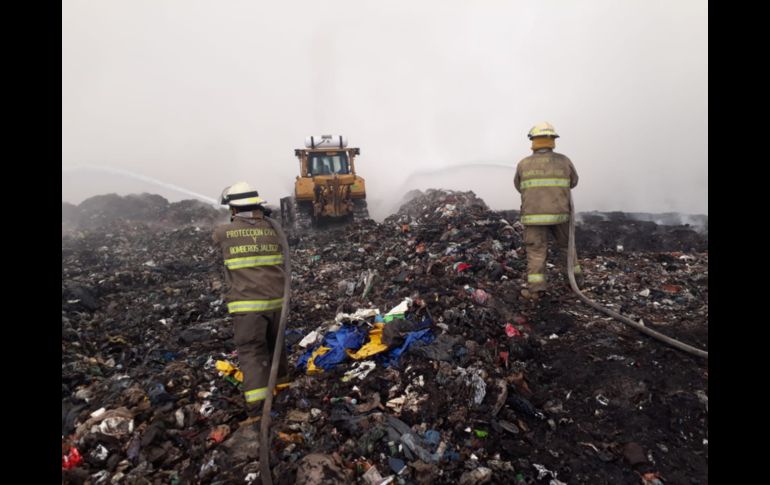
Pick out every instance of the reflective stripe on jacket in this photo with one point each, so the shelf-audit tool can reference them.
(251, 250)
(544, 180)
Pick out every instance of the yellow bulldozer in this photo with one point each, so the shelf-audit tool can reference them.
(327, 188)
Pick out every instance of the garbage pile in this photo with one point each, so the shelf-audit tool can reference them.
(105, 210)
(601, 232)
(414, 359)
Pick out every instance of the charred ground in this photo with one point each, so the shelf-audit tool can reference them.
(506, 392)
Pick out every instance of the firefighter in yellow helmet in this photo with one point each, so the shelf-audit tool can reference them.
(254, 274)
(544, 180)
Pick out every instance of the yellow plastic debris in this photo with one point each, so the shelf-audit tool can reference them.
(311, 368)
(374, 346)
(280, 387)
(229, 369)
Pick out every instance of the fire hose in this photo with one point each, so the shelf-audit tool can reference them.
(264, 426)
(638, 326)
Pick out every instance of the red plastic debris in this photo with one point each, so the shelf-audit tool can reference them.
(504, 358)
(460, 267)
(512, 331)
(219, 433)
(71, 459)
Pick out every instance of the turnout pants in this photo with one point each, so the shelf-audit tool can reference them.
(536, 242)
(255, 337)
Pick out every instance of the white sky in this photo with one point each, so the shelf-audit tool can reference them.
(201, 94)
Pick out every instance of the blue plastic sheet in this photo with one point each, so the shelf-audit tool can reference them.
(391, 358)
(302, 362)
(347, 337)
(344, 338)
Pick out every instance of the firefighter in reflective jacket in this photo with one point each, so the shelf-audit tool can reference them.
(544, 180)
(254, 274)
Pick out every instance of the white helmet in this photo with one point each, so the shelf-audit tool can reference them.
(543, 129)
(240, 194)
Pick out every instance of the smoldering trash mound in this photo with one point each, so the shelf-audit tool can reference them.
(413, 359)
(101, 211)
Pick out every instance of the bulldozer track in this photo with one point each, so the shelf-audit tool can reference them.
(360, 210)
(295, 216)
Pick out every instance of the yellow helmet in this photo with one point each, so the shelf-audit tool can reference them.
(543, 129)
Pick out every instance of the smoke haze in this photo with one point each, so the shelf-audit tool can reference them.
(197, 95)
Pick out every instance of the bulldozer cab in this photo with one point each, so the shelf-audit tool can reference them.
(327, 187)
(328, 163)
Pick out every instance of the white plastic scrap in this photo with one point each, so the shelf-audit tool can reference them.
(206, 409)
(309, 339)
(116, 426)
(250, 477)
(396, 403)
(645, 292)
(542, 472)
(401, 307)
(101, 453)
(98, 412)
(602, 400)
(360, 314)
(360, 370)
(410, 401)
(179, 415)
